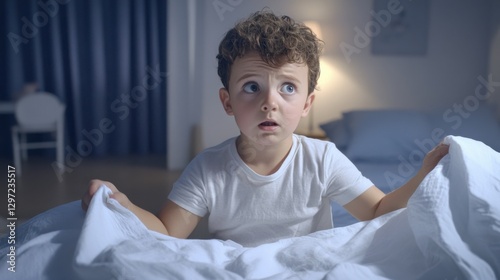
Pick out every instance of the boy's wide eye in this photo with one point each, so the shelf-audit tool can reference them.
(288, 88)
(251, 87)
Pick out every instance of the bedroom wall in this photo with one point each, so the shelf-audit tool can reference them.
(494, 60)
(457, 54)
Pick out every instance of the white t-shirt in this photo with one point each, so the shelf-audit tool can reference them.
(253, 209)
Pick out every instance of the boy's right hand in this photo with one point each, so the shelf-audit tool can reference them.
(115, 193)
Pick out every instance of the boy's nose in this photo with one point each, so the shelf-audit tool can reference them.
(269, 102)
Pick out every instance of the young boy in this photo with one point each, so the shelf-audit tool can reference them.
(268, 183)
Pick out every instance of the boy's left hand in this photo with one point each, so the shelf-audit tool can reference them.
(434, 156)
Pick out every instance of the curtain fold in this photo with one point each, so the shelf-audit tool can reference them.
(106, 60)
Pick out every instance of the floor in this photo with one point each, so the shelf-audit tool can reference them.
(144, 179)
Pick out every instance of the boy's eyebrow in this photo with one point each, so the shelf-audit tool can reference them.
(291, 77)
(247, 75)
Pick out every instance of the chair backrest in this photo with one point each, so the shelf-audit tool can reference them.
(39, 110)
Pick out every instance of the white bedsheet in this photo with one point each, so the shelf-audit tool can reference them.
(450, 230)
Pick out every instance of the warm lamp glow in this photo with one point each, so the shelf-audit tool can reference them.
(328, 75)
(315, 27)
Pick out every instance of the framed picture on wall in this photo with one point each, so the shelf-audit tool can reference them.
(400, 27)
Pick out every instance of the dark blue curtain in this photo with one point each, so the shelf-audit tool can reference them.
(105, 59)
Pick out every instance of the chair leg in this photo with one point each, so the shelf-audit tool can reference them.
(60, 145)
(16, 150)
(24, 140)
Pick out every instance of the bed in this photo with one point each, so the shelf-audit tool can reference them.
(450, 230)
(388, 145)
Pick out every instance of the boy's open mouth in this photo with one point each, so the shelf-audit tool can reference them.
(268, 124)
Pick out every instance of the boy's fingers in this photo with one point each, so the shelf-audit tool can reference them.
(94, 185)
(442, 149)
(434, 156)
(92, 189)
(121, 198)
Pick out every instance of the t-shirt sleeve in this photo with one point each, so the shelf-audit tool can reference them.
(344, 181)
(189, 191)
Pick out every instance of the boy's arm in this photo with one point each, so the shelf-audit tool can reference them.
(172, 220)
(373, 202)
(178, 221)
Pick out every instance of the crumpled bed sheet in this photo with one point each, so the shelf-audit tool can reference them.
(449, 230)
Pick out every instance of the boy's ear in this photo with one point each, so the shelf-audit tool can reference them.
(225, 100)
(309, 103)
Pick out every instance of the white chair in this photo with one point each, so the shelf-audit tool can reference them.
(38, 113)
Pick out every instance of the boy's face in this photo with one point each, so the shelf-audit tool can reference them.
(267, 103)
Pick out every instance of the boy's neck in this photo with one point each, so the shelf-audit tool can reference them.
(263, 159)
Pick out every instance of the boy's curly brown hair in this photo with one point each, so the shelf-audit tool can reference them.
(277, 39)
